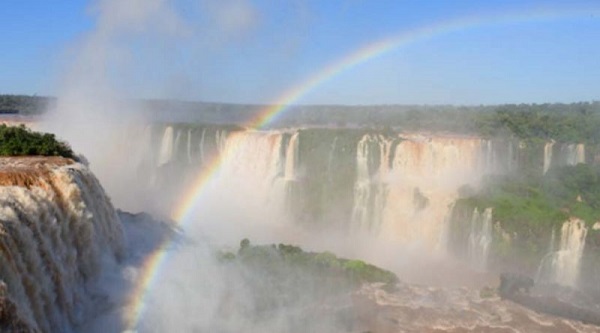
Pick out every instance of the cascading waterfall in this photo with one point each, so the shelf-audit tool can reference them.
(580, 149)
(400, 187)
(56, 223)
(563, 265)
(201, 145)
(177, 145)
(221, 138)
(369, 193)
(251, 163)
(180, 153)
(489, 153)
(574, 153)
(424, 178)
(480, 238)
(291, 157)
(361, 186)
(290, 172)
(567, 259)
(189, 146)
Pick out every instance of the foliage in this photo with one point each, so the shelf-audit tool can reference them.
(272, 259)
(576, 122)
(20, 141)
(529, 208)
(524, 204)
(544, 200)
(361, 271)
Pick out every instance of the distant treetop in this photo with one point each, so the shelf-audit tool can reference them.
(24, 105)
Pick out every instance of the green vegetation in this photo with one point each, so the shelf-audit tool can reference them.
(544, 201)
(284, 261)
(528, 208)
(576, 122)
(298, 287)
(20, 141)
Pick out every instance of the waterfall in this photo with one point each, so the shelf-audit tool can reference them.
(177, 146)
(489, 154)
(572, 242)
(370, 188)
(580, 153)
(221, 139)
(405, 187)
(362, 187)
(166, 147)
(291, 157)
(399, 187)
(433, 167)
(201, 145)
(251, 163)
(562, 266)
(574, 154)
(480, 239)
(548, 147)
(189, 146)
(56, 223)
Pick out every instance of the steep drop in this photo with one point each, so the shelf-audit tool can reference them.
(56, 225)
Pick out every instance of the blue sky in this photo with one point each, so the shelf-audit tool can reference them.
(253, 51)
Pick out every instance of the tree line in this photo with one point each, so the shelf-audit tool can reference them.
(564, 122)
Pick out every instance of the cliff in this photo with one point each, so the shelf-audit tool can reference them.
(56, 225)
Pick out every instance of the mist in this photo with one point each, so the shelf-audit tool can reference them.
(373, 194)
(99, 113)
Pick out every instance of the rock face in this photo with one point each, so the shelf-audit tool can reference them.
(56, 227)
(511, 283)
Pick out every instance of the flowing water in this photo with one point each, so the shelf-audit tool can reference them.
(480, 238)
(57, 226)
(377, 196)
(562, 266)
(399, 187)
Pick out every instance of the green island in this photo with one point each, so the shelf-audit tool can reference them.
(276, 261)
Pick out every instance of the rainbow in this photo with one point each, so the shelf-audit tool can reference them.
(151, 267)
